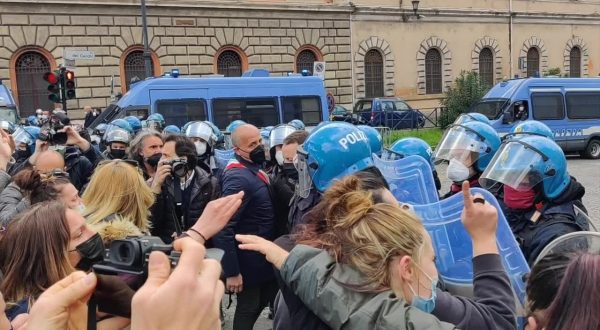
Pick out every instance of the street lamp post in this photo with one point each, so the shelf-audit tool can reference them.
(147, 58)
(415, 5)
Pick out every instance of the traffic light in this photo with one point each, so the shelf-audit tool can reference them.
(54, 88)
(69, 79)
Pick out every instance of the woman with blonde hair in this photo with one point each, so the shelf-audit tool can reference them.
(372, 265)
(118, 200)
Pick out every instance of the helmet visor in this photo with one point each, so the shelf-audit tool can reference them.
(117, 135)
(464, 118)
(22, 136)
(389, 154)
(279, 133)
(200, 130)
(514, 165)
(304, 177)
(461, 144)
(228, 143)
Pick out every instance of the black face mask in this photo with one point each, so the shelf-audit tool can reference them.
(22, 154)
(117, 153)
(153, 160)
(91, 252)
(257, 155)
(290, 171)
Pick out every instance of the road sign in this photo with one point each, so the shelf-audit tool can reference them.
(79, 54)
(69, 64)
(330, 101)
(319, 70)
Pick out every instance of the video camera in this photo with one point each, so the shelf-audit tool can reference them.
(178, 167)
(50, 130)
(131, 255)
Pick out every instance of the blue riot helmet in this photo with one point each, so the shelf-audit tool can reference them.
(408, 147)
(229, 130)
(276, 137)
(220, 137)
(472, 116)
(531, 127)
(121, 123)
(8, 127)
(26, 136)
(299, 124)
(233, 125)
(171, 129)
(472, 143)
(156, 121)
(525, 162)
(135, 123)
(100, 129)
(33, 121)
(144, 124)
(374, 138)
(332, 152)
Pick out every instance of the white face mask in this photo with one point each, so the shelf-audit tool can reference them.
(279, 157)
(200, 147)
(457, 171)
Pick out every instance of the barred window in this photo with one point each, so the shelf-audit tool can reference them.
(433, 72)
(575, 62)
(135, 68)
(32, 89)
(305, 61)
(486, 66)
(373, 74)
(229, 64)
(533, 62)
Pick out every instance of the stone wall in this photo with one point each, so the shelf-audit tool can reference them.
(187, 39)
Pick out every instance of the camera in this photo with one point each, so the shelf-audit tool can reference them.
(131, 255)
(50, 131)
(178, 167)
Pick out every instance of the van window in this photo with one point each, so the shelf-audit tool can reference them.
(364, 105)
(547, 106)
(259, 112)
(179, 112)
(402, 106)
(583, 105)
(139, 112)
(306, 108)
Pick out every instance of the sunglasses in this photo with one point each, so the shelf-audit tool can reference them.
(56, 173)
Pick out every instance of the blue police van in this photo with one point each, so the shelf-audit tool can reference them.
(256, 98)
(569, 106)
(8, 106)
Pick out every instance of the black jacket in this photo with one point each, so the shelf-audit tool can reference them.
(283, 192)
(301, 206)
(254, 217)
(202, 189)
(536, 227)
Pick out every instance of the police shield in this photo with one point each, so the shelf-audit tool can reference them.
(454, 249)
(577, 242)
(410, 179)
(222, 157)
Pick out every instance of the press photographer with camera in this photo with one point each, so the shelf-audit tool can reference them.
(181, 187)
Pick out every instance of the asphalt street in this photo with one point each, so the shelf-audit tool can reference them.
(586, 171)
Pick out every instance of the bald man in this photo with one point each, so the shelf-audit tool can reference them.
(49, 160)
(248, 273)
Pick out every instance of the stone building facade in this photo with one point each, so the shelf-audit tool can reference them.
(371, 47)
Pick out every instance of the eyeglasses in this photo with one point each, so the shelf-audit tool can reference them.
(131, 162)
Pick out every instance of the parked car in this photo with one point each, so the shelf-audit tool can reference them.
(390, 112)
(340, 113)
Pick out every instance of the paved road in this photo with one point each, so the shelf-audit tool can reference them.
(586, 171)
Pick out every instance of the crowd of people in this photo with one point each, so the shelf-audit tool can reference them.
(305, 223)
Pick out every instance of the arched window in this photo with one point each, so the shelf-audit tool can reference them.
(31, 86)
(433, 72)
(533, 62)
(575, 62)
(305, 61)
(486, 66)
(229, 64)
(135, 68)
(373, 74)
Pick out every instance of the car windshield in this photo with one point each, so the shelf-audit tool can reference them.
(9, 115)
(491, 108)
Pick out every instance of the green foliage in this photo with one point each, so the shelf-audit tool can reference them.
(430, 135)
(554, 72)
(467, 90)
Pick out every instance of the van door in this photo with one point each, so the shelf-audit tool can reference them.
(548, 106)
(583, 113)
(180, 106)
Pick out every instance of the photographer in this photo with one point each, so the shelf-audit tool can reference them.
(179, 181)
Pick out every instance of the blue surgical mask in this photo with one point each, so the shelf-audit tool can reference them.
(426, 305)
